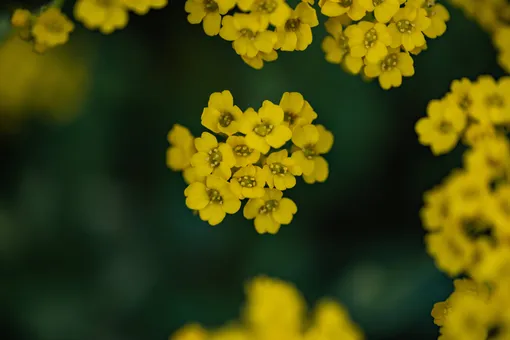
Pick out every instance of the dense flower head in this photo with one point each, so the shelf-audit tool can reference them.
(276, 310)
(255, 155)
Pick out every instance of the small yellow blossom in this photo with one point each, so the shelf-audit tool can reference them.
(265, 129)
(369, 39)
(213, 199)
(52, 28)
(491, 100)
(20, 18)
(407, 27)
(221, 115)
(243, 154)
(270, 211)
(442, 127)
(274, 12)
(212, 157)
(257, 62)
(142, 7)
(436, 211)
(332, 322)
(296, 32)
(391, 68)
(335, 8)
(489, 159)
(336, 46)
(280, 170)
(248, 35)
(438, 15)
(181, 148)
(461, 94)
(105, 15)
(208, 12)
(500, 209)
(312, 141)
(478, 132)
(383, 10)
(296, 110)
(248, 182)
(501, 39)
(190, 332)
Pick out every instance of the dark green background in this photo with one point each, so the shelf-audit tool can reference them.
(97, 243)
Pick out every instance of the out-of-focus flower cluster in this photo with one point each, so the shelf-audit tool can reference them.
(246, 162)
(48, 27)
(275, 310)
(494, 17)
(468, 216)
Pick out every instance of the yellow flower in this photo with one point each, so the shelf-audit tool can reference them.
(332, 322)
(489, 159)
(257, 62)
(243, 154)
(280, 170)
(335, 8)
(312, 141)
(383, 10)
(391, 68)
(274, 12)
(478, 132)
(270, 211)
(221, 115)
(142, 7)
(181, 148)
(296, 110)
(501, 39)
(105, 15)
(461, 94)
(248, 35)
(265, 129)
(336, 46)
(213, 199)
(208, 12)
(20, 18)
(52, 28)
(442, 127)
(436, 211)
(190, 332)
(491, 100)
(499, 209)
(438, 15)
(439, 311)
(407, 27)
(248, 182)
(369, 39)
(470, 319)
(296, 32)
(212, 157)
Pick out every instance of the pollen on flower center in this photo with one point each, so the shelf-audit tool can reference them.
(210, 6)
(309, 151)
(269, 206)
(266, 6)
(245, 32)
(54, 26)
(214, 157)
(465, 102)
(214, 196)
(377, 2)
(292, 25)
(345, 3)
(389, 62)
(278, 169)
(289, 117)
(475, 228)
(405, 26)
(495, 100)
(225, 119)
(445, 127)
(242, 150)
(343, 42)
(263, 129)
(247, 181)
(370, 38)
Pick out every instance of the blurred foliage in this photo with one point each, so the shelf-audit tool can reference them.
(95, 238)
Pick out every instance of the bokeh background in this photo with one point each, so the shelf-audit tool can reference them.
(95, 239)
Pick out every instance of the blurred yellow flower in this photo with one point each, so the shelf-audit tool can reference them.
(52, 28)
(105, 15)
(20, 18)
(142, 7)
(274, 12)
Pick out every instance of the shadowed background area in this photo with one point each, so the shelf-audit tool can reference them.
(95, 239)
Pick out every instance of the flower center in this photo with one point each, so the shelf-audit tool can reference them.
(269, 206)
(389, 62)
(210, 6)
(247, 181)
(377, 2)
(266, 6)
(495, 100)
(465, 102)
(54, 26)
(215, 157)
(278, 169)
(214, 196)
(370, 37)
(309, 151)
(343, 42)
(345, 3)
(225, 119)
(405, 26)
(445, 127)
(263, 129)
(292, 25)
(242, 150)
(289, 117)
(247, 33)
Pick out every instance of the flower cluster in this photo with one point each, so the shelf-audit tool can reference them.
(377, 37)
(275, 310)
(49, 27)
(501, 40)
(468, 216)
(248, 164)
(263, 27)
